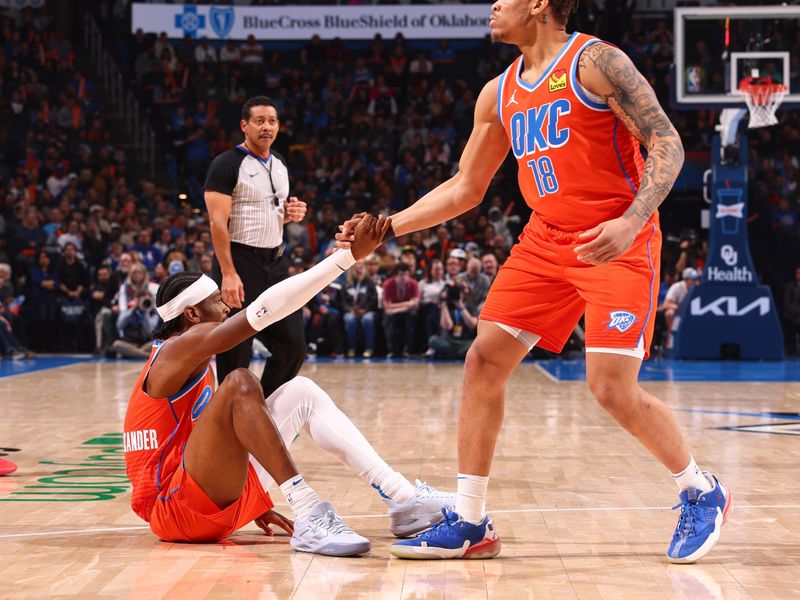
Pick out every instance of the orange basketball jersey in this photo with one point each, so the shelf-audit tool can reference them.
(155, 432)
(578, 164)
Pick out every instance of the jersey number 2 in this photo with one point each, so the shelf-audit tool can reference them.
(543, 175)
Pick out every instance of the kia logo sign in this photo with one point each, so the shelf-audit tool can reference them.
(728, 306)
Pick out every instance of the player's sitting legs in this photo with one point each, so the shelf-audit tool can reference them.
(236, 424)
(468, 532)
(705, 503)
(301, 406)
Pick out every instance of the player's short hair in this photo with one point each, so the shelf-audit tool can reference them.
(562, 9)
(256, 101)
(169, 288)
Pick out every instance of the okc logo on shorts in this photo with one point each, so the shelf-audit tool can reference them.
(201, 402)
(621, 320)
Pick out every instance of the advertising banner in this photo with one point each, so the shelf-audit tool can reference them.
(729, 321)
(729, 314)
(22, 3)
(729, 261)
(453, 21)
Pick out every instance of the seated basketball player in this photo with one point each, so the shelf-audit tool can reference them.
(201, 461)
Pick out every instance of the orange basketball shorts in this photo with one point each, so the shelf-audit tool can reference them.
(184, 513)
(544, 289)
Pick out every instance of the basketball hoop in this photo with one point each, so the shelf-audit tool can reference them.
(763, 98)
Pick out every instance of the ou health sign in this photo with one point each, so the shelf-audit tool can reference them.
(456, 21)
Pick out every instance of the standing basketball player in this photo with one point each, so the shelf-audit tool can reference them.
(247, 196)
(201, 461)
(574, 111)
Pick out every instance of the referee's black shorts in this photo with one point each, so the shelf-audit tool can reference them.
(259, 269)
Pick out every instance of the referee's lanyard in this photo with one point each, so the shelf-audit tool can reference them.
(276, 202)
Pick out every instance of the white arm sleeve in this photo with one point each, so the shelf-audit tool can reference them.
(283, 298)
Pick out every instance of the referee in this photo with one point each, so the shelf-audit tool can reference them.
(247, 196)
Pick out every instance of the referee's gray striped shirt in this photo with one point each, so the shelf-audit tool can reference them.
(245, 177)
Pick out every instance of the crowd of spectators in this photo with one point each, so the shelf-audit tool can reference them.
(420, 303)
(371, 127)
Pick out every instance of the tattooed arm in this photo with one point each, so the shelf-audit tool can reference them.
(607, 72)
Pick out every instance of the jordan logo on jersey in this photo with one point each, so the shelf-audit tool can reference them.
(558, 80)
(513, 99)
(621, 320)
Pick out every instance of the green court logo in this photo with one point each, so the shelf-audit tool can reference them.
(100, 476)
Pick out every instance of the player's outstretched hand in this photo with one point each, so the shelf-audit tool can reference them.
(345, 235)
(368, 235)
(274, 518)
(611, 239)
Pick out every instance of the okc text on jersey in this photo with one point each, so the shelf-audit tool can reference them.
(538, 129)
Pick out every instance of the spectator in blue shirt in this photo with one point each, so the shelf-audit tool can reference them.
(149, 254)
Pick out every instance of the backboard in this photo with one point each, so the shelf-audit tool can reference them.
(717, 47)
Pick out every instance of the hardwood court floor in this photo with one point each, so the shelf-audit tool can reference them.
(582, 510)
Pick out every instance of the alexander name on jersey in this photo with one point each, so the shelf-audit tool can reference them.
(143, 439)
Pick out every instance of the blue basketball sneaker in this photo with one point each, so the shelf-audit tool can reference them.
(452, 537)
(702, 517)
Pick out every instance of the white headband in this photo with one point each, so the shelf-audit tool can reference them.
(194, 294)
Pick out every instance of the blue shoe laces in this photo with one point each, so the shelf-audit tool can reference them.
(690, 513)
(450, 518)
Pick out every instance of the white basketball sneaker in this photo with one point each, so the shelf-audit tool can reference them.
(419, 513)
(325, 533)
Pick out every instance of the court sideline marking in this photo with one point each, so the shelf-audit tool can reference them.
(546, 373)
(382, 515)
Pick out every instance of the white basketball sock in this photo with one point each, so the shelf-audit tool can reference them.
(300, 497)
(388, 482)
(692, 477)
(302, 406)
(471, 497)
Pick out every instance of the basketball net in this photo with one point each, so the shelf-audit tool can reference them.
(763, 99)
